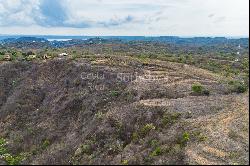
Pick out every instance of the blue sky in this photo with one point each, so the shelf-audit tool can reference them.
(125, 17)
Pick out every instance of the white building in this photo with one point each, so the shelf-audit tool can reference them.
(63, 54)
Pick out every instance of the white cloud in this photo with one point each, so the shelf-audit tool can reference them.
(18, 12)
(126, 17)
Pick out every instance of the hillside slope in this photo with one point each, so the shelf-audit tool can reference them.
(119, 110)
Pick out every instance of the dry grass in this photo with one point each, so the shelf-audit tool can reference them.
(52, 100)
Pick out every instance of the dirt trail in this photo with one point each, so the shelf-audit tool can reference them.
(227, 135)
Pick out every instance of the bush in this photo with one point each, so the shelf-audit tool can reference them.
(206, 92)
(13, 160)
(30, 57)
(114, 93)
(24, 54)
(135, 137)
(146, 129)
(169, 119)
(6, 156)
(86, 149)
(154, 143)
(124, 162)
(237, 86)
(99, 115)
(1, 57)
(30, 53)
(184, 139)
(45, 144)
(199, 89)
(14, 53)
(3, 143)
(156, 152)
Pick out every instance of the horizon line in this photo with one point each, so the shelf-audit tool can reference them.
(181, 36)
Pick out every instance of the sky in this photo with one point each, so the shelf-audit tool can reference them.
(125, 17)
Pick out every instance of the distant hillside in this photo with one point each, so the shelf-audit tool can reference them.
(24, 39)
(165, 39)
(196, 44)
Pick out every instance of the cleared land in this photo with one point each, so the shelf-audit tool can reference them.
(120, 110)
